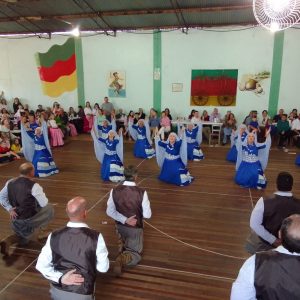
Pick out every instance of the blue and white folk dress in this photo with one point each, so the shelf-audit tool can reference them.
(172, 161)
(37, 150)
(194, 139)
(232, 153)
(143, 142)
(110, 154)
(251, 163)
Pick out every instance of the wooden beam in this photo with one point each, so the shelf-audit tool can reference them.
(129, 13)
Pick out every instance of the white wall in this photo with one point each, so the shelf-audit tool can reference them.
(289, 96)
(19, 76)
(132, 53)
(249, 51)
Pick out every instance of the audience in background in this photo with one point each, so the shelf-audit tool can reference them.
(228, 127)
(283, 129)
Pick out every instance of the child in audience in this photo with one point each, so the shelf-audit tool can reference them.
(154, 122)
(6, 154)
(165, 124)
(16, 147)
(55, 132)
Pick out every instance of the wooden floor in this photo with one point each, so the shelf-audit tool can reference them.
(195, 248)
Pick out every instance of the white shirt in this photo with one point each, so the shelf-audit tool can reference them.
(243, 288)
(113, 213)
(45, 266)
(87, 111)
(296, 124)
(195, 120)
(36, 191)
(257, 216)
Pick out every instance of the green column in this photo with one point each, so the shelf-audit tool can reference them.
(276, 72)
(157, 70)
(80, 74)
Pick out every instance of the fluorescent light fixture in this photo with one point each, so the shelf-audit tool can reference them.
(75, 32)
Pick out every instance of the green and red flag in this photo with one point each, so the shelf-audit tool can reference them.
(57, 69)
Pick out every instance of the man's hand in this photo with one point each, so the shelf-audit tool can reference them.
(276, 243)
(12, 213)
(72, 279)
(131, 221)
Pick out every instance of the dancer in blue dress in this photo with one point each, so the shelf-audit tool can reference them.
(37, 150)
(232, 153)
(102, 130)
(297, 161)
(109, 152)
(172, 159)
(251, 161)
(141, 134)
(193, 134)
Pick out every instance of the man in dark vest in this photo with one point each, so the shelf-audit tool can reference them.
(128, 205)
(273, 274)
(268, 214)
(72, 255)
(27, 206)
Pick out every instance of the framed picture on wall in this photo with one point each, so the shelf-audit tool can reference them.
(177, 87)
(117, 84)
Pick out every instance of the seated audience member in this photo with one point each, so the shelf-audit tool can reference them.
(296, 129)
(136, 118)
(154, 122)
(16, 147)
(129, 120)
(248, 119)
(168, 114)
(196, 118)
(27, 206)
(55, 132)
(265, 120)
(88, 118)
(120, 120)
(3, 104)
(205, 116)
(141, 114)
(191, 114)
(215, 116)
(16, 104)
(96, 108)
(165, 125)
(73, 255)
(295, 113)
(6, 154)
(283, 129)
(278, 116)
(253, 126)
(56, 108)
(75, 119)
(228, 127)
(273, 274)
(205, 128)
(268, 214)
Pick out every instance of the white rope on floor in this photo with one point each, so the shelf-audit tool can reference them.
(193, 246)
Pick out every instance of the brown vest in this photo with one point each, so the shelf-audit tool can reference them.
(276, 209)
(128, 201)
(277, 276)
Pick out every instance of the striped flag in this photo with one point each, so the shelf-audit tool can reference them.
(57, 69)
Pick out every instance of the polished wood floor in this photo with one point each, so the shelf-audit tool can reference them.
(194, 250)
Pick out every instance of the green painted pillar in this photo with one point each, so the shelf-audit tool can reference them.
(276, 72)
(80, 74)
(157, 70)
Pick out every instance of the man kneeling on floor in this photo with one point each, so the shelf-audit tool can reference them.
(128, 205)
(27, 206)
